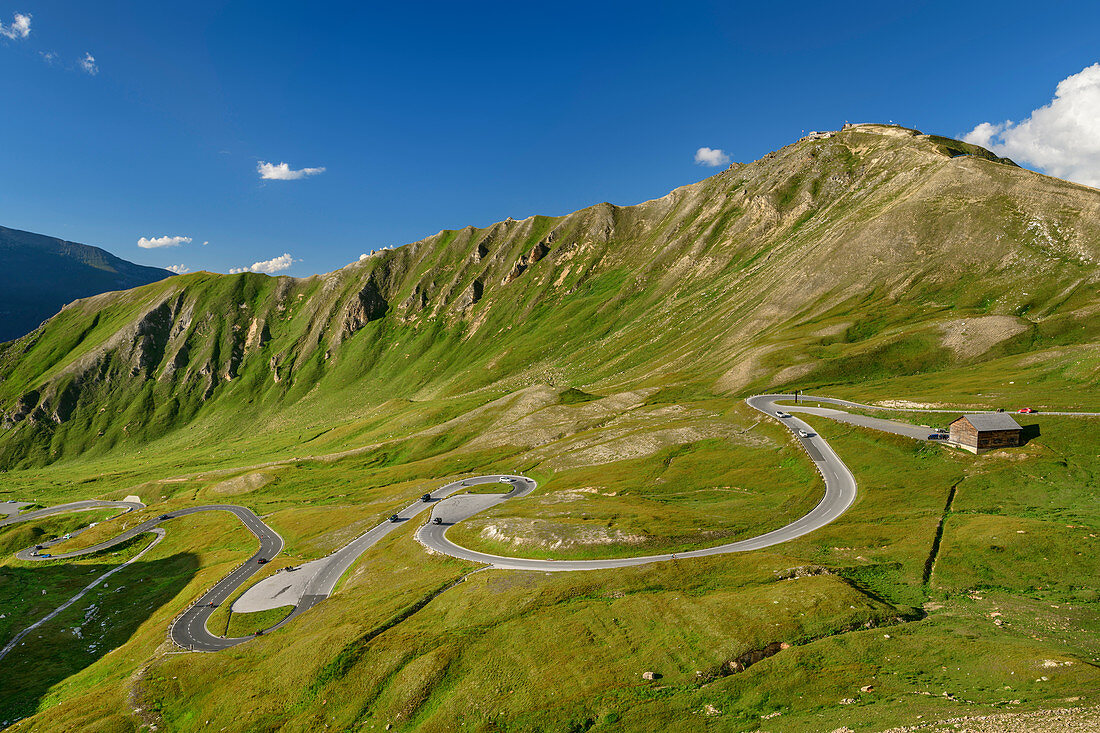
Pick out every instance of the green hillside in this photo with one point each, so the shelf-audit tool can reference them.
(875, 253)
(606, 354)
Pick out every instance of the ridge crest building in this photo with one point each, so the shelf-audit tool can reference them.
(985, 431)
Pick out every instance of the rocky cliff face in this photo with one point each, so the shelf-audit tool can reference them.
(830, 256)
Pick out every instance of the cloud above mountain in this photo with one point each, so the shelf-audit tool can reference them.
(283, 171)
(166, 241)
(711, 157)
(1061, 138)
(275, 264)
(178, 269)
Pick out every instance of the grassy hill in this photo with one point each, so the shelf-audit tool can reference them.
(40, 274)
(604, 353)
(875, 253)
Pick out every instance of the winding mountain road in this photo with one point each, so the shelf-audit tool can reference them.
(840, 492)
(75, 506)
(313, 582)
(188, 630)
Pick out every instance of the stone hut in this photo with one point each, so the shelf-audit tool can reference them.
(980, 433)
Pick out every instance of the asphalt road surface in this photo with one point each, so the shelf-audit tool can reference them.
(12, 507)
(877, 423)
(75, 506)
(861, 406)
(316, 580)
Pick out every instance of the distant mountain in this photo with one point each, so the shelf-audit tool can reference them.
(39, 274)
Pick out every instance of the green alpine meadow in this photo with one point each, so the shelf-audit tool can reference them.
(504, 417)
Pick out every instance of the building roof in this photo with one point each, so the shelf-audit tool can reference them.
(992, 421)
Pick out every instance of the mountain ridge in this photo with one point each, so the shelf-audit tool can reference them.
(834, 258)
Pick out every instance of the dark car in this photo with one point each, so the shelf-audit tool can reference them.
(394, 518)
(426, 497)
(165, 516)
(437, 520)
(260, 632)
(262, 560)
(938, 436)
(38, 547)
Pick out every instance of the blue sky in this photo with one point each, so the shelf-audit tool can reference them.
(125, 121)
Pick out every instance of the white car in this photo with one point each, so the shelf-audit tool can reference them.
(804, 434)
(505, 479)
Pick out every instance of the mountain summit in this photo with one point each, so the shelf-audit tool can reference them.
(39, 274)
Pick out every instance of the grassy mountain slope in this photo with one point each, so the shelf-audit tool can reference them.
(40, 274)
(874, 253)
(603, 353)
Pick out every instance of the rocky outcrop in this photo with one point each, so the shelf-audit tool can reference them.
(749, 658)
(537, 252)
(367, 305)
(471, 295)
(23, 408)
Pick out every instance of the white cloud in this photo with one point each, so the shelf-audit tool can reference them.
(88, 64)
(178, 269)
(283, 171)
(20, 27)
(49, 57)
(206, 243)
(711, 157)
(166, 241)
(1061, 138)
(275, 264)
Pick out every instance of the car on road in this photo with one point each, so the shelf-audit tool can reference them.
(937, 436)
(1025, 411)
(38, 547)
(45, 554)
(437, 520)
(162, 517)
(505, 479)
(394, 517)
(262, 560)
(780, 413)
(426, 497)
(804, 434)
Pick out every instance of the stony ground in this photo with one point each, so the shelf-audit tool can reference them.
(1062, 720)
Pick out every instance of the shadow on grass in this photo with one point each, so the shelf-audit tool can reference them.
(1028, 433)
(106, 618)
